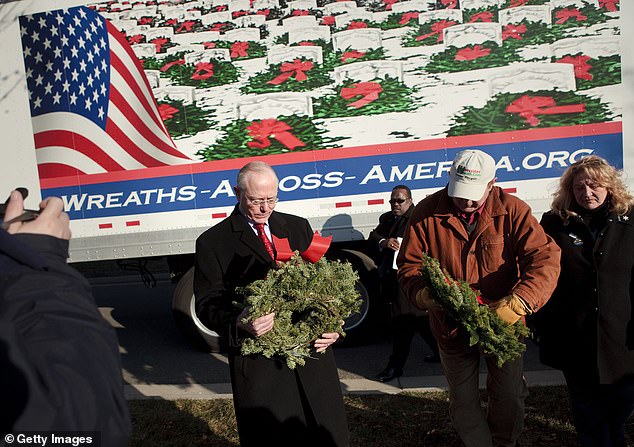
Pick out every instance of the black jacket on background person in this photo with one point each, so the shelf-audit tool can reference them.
(60, 368)
(587, 325)
(391, 226)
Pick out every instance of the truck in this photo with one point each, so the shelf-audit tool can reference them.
(139, 113)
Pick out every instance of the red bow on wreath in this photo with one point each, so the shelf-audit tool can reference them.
(513, 32)
(484, 16)
(239, 49)
(406, 17)
(529, 106)
(582, 67)
(354, 54)
(450, 4)
(185, 26)
(274, 129)
(516, 3)
(289, 69)
(388, 4)
(369, 90)
(569, 13)
(159, 42)
(169, 65)
(472, 53)
(436, 28)
(315, 251)
(166, 111)
(610, 5)
(204, 70)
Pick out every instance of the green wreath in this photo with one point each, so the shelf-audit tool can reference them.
(308, 300)
(481, 325)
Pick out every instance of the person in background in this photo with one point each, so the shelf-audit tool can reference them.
(274, 405)
(587, 327)
(59, 359)
(490, 239)
(406, 318)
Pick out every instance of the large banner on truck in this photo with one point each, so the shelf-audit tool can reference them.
(143, 107)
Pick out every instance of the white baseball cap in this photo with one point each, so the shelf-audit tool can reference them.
(470, 173)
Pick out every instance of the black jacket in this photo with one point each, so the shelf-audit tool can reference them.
(587, 325)
(271, 401)
(59, 359)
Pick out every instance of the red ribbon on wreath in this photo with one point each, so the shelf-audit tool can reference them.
(450, 4)
(513, 32)
(204, 70)
(407, 16)
(315, 251)
(356, 24)
(159, 42)
(169, 65)
(145, 21)
(610, 5)
(582, 67)
(472, 53)
(436, 28)
(563, 15)
(484, 16)
(354, 54)
(328, 20)
(388, 4)
(516, 3)
(479, 299)
(369, 90)
(272, 128)
(185, 26)
(166, 111)
(263, 12)
(239, 49)
(137, 38)
(529, 106)
(299, 12)
(288, 69)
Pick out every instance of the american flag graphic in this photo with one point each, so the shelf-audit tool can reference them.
(92, 107)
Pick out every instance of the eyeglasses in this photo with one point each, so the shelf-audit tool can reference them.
(399, 201)
(259, 202)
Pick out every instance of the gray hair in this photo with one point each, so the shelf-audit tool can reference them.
(253, 167)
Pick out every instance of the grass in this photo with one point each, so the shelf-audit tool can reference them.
(402, 420)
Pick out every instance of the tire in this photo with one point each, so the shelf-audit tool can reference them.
(362, 326)
(184, 313)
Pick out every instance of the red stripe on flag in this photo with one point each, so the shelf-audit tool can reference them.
(105, 226)
(343, 204)
(51, 170)
(130, 147)
(79, 143)
(136, 121)
(127, 75)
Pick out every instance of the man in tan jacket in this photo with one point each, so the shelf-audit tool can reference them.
(484, 236)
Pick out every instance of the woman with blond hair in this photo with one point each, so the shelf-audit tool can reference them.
(586, 329)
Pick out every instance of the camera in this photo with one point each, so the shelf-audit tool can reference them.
(24, 217)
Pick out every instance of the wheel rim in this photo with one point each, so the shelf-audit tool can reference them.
(356, 319)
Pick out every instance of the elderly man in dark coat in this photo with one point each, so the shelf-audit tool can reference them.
(274, 405)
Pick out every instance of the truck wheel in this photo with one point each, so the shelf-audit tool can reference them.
(362, 326)
(184, 312)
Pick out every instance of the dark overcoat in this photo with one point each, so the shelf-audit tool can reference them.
(587, 325)
(60, 368)
(274, 404)
(391, 226)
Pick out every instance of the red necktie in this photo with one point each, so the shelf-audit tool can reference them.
(265, 240)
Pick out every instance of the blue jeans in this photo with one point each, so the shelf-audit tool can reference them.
(599, 411)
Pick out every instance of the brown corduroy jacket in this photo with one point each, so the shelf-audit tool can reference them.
(508, 252)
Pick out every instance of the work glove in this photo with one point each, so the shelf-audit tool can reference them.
(425, 300)
(510, 308)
